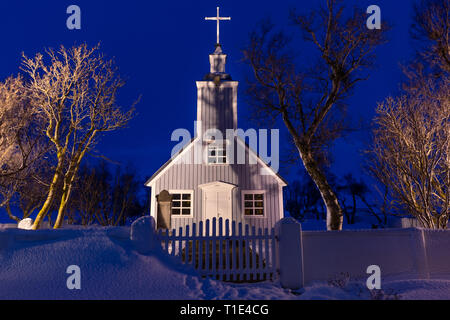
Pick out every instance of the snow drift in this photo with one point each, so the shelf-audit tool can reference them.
(33, 266)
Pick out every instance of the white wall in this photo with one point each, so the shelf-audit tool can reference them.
(437, 245)
(411, 252)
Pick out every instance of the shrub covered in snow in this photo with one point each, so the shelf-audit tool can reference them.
(26, 224)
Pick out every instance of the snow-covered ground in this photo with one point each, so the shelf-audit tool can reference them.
(33, 266)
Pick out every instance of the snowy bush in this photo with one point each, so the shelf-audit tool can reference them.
(26, 224)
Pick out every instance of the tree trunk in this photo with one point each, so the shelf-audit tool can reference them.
(70, 175)
(50, 197)
(334, 210)
(67, 190)
(62, 207)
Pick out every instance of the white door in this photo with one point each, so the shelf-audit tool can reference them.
(217, 202)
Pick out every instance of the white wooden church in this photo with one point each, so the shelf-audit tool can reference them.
(218, 185)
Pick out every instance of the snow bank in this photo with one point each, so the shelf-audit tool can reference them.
(34, 267)
(390, 290)
(34, 263)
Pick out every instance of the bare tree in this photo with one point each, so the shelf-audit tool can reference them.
(106, 198)
(23, 151)
(91, 194)
(411, 151)
(76, 94)
(26, 190)
(303, 200)
(431, 29)
(19, 128)
(358, 190)
(310, 102)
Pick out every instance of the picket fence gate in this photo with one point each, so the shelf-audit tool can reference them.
(217, 251)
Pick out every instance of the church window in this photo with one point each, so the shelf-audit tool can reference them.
(182, 203)
(217, 153)
(253, 203)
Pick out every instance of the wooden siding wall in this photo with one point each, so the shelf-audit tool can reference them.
(217, 105)
(217, 108)
(187, 176)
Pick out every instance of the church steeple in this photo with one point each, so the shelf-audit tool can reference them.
(217, 93)
(218, 18)
(217, 62)
(218, 59)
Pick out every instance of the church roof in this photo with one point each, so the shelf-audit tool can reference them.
(168, 162)
(188, 145)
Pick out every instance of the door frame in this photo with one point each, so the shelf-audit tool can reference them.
(212, 185)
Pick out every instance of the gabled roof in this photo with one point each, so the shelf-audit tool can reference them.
(170, 161)
(253, 152)
(215, 183)
(173, 159)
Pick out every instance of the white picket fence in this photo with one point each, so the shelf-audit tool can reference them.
(223, 253)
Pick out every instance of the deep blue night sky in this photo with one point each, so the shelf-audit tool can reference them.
(162, 47)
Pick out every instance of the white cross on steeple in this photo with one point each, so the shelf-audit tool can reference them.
(218, 19)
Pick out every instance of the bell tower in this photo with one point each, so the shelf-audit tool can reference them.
(217, 92)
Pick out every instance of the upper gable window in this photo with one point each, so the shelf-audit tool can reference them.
(217, 153)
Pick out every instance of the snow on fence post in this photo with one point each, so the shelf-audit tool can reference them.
(290, 257)
(142, 234)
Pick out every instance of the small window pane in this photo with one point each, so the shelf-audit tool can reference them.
(259, 196)
(176, 204)
(248, 204)
(176, 196)
(248, 196)
(175, 211)
(259, 204)
(259, 212)
(187, 196)
(248, 212)
(186, 212)
(212, 160)
(186, 204)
